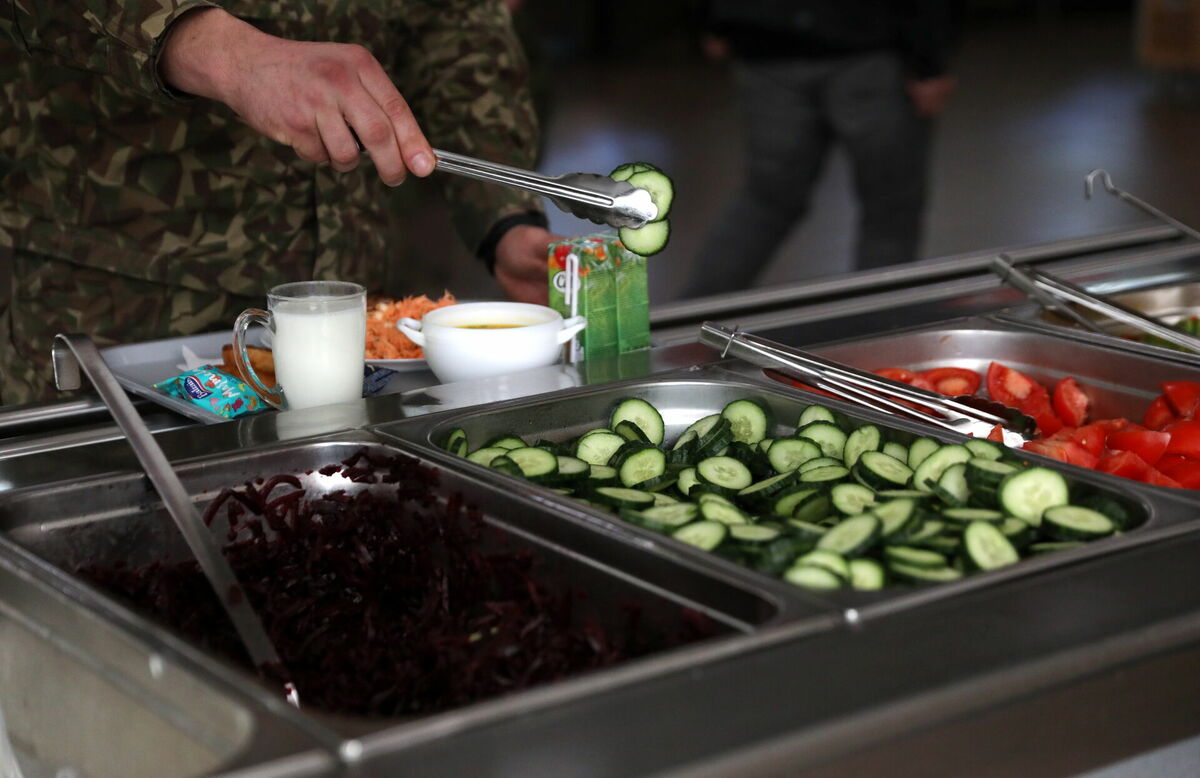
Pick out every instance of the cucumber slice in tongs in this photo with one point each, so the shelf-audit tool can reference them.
(652, 237)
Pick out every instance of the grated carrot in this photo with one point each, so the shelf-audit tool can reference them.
(384, 341)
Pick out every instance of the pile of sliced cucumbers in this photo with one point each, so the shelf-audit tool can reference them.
(828, 504)
(652, 237)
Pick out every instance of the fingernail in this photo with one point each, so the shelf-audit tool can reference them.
(422, 164)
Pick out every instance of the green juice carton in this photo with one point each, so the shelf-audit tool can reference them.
(583, 282)
(597, 277)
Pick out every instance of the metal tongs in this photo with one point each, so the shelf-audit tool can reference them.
(589, 196)
(965, 415)
(72, 352)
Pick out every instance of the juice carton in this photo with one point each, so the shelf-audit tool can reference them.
(633, 300)
(583, 282)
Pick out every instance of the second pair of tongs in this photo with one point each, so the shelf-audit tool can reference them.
(967, 415)
(589, 196)
(1056, 295)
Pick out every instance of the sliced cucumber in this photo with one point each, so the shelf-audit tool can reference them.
(882, 471)
(827, 435)
(761, 495)
(484, 456)
(641, 467)
(647, 240)
(1028, 493)
(813, 577)
(987, 473)
(705, 535)
(915, 574)
(815, 413)
(663, 518)
(787, 499)
(952, 485)
(852, 536)
(641, 413)
(723, 511)
(534, 462)
(790, 453)
(986, 547)
(865, 438)
(456, 442)
(748, 420)
(824, 475)
(867, 574)
(598, 446)
(927, 473)
(916, 557)
(895, 516)
(897, 450)
(1073, 522)
(622, 497)
(920, 449)
(661, 189)
(813, 508)
(753, 534)
(984, 449)
(623, 172)
(725, 472)
(851, 499)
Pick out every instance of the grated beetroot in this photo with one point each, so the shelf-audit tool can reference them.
(386, 601)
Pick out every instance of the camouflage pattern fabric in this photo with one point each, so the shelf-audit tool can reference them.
(176, 213)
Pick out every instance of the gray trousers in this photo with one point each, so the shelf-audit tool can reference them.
(793, 112)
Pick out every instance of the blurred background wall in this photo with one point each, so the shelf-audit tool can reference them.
(1047, 90)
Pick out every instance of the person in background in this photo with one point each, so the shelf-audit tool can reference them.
(163, 163)
(868, 75)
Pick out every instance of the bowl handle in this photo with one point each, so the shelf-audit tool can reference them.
(570, 327)
(412, 330)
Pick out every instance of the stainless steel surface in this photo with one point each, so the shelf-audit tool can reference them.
(1119, 384)
(116, 523)
(1089, 184)
(973, 416)
(1070, 293)
(684, 396)
(83, 697)
(1022, 280)
(587, 195)
(72, 352)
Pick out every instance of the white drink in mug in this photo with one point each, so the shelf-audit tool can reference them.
(319, 338)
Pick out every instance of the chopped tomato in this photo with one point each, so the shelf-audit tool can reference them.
(1064, 451)
(897, 374)
(1125, 464)
(1185, 438)
(1070, 402)
(1037, 405)
(1007, 386)
(1167, 461)
(996, 435)
(1155, 478)
(1150, 445)
(953, 381)
(921, 382)
(1159, 414)
(1185, 471)
(1091, 437)
(1183, 396)
(1113, 425)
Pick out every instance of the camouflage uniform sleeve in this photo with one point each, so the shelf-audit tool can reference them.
(462, 70)
(116, 38)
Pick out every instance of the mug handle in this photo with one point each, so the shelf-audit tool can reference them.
(570, 327)
(412, 330)
(273, 397)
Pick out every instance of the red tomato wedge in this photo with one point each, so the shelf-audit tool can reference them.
(1150, 445)
(1125, 464)
(996, 434)
(1063, 451)
(953, 381)
(1091, 437)
(1183, 397)
(1159, 414)
(1185, 438)
(1037, 405)
(1185, 471)
(1155, 478)
(1070, 402)
(1007, 386)
(897, 374)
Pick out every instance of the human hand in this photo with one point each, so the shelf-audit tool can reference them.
(314, 97)
(521, 263)
(930, 95)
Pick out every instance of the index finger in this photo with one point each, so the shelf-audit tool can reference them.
(414, 148)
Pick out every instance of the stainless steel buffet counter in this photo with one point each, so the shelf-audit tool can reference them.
(1055, 666)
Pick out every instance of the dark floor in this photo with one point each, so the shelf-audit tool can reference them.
(1042, 100)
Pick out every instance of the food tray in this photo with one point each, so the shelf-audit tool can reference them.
(81, 697)
(138, 366)
(685, 396)
(1120, 383)
(116, 519)
(1168, 304)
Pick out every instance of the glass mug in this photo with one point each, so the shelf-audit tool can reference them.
(319, 337)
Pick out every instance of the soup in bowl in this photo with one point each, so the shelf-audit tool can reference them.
(477, 340)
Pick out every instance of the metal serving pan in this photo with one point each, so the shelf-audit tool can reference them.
(687, 395)
(1169, 304)
(59, 527)
(82, 697)
(1120, 383)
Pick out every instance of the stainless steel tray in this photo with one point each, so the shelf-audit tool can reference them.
(1169, 304)
(684, 396)
(82, 697)
(1120, 383)
(116, 518)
